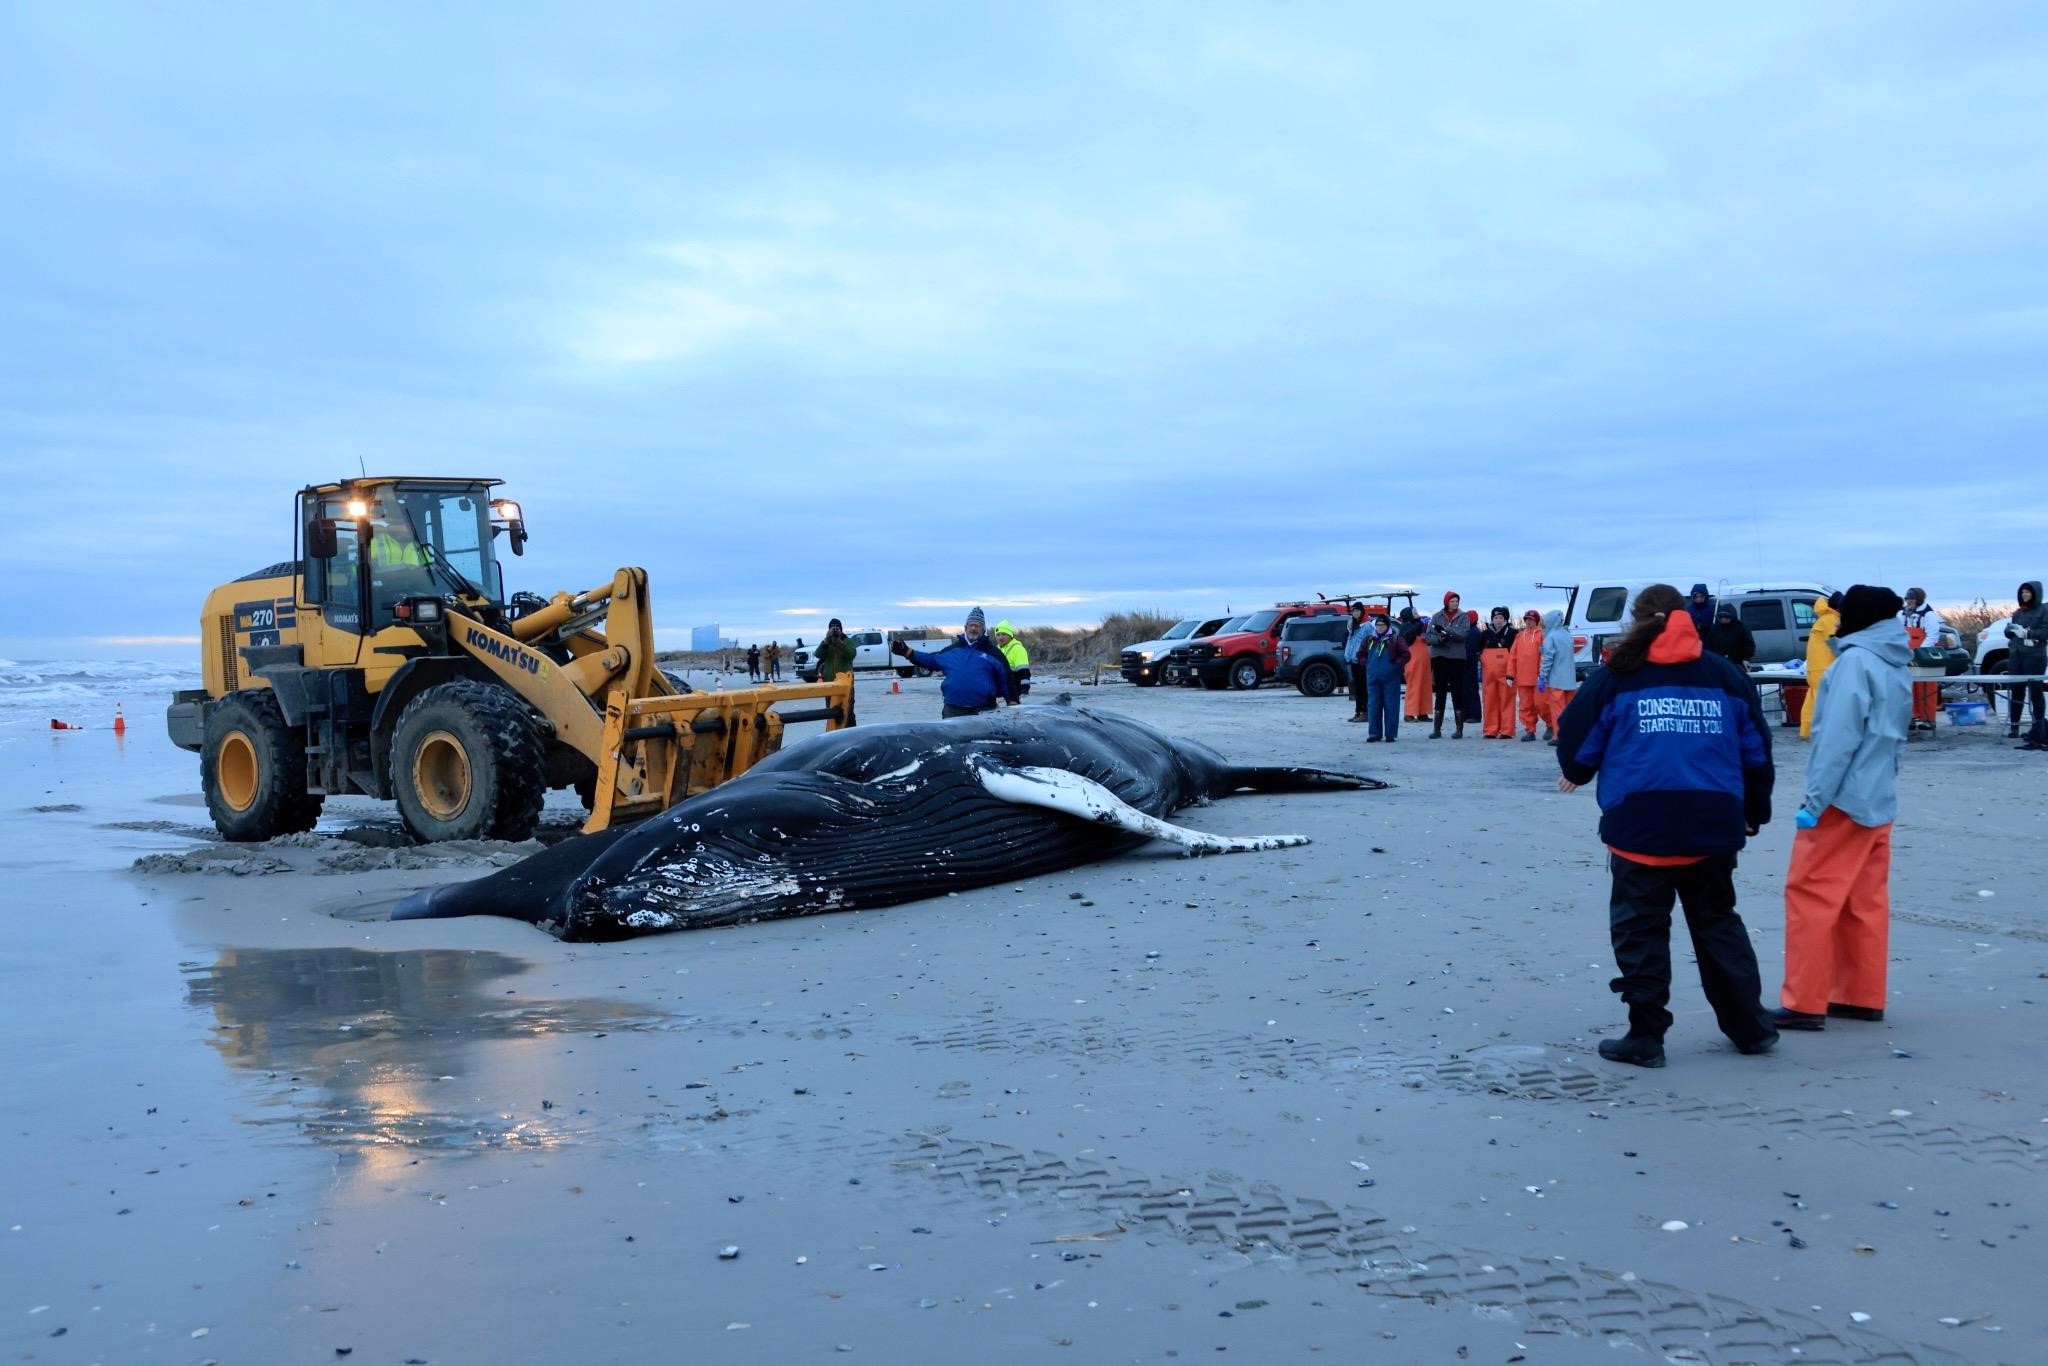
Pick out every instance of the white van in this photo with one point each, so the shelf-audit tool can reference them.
(1779, 614)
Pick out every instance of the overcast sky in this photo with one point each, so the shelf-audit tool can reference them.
(878, 310)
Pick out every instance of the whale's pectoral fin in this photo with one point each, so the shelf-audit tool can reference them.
(1056, 789)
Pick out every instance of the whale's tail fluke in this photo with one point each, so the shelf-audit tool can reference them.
(1290, 779)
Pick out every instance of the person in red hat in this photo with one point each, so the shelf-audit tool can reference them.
(1448, 635)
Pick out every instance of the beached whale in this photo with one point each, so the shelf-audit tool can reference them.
(877, 815)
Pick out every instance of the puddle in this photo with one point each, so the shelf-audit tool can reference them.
(365, 1052)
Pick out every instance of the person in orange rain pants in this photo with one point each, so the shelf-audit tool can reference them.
(1496, 651)
(1923, 627)
(1415, 688)
(1525, 661)
(1557, 673)
(1837, 891)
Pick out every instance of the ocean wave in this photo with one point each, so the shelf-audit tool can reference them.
(36, 689)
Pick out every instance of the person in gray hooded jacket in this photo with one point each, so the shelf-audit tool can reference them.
(1557, 677)
(1837, 891)
(2026, 638)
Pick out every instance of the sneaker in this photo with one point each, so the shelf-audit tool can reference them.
(1797, 1019)
(1841, 1012)
(1758, 1047)
(1641, 1050)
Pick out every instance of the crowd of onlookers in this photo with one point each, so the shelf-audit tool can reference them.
(1505, 677)
(1491, 675)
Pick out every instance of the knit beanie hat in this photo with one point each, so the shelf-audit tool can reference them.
(1865, 605)
(833, 625)
(975, 618)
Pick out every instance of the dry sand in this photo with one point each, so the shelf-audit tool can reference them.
(1337, 1102)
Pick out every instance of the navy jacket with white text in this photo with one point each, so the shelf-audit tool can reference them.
(1680, 747)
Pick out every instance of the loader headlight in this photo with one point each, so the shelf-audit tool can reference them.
(505, 510)
(358, 508)
(426, 609)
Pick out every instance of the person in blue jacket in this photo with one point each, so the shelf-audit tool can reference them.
(976, 676)
(1385, 656)
(1679, 743)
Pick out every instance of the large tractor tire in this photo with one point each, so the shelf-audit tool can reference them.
(252, 767)
(467, 764)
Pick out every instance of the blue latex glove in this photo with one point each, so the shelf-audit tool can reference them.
(1542, 685)
(1805, 820)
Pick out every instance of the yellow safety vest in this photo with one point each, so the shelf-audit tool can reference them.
(388, 552)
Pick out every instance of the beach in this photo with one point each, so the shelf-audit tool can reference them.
(1337, 1102)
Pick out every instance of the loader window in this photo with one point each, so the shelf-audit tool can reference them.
(421, 525)
(332, 582)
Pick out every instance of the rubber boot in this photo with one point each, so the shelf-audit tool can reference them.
(1459, 733)
(1796, 1019)
(1872, 1014)
(1438, 732)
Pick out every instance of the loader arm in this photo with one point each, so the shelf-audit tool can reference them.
(651, 745)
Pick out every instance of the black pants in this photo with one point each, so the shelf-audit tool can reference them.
(2031, 693)
(1358, 689)
(1639, 920)
(949, 711)
(1447, 681)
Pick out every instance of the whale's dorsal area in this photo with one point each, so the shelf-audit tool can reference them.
(1056, 789)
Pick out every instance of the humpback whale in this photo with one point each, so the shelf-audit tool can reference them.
(878, 815)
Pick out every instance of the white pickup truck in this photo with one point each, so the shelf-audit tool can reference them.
(870, 651)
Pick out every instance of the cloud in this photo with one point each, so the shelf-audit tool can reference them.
(144, 640)
(802, 612)
(892, 272)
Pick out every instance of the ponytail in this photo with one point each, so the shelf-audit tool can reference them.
(1653, 606)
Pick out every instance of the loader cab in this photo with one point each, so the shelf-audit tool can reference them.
(372, 547)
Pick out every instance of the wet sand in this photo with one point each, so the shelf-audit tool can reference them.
(1113, 1115)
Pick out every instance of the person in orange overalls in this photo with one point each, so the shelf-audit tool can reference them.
(1923, 627)
(1525, 661)
(1496, 649)
(1415, 689)
(1838, 889)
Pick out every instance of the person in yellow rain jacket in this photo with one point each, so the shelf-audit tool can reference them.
(1015, 655)
(1820, 652)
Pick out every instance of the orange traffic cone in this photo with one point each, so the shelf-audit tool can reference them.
(896, 685)
(120, 724)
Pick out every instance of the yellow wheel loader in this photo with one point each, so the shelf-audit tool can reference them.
(385, 659)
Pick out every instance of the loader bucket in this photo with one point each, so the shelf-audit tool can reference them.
(657, 750)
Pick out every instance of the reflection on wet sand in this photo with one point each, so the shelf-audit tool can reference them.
(375, 1054)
